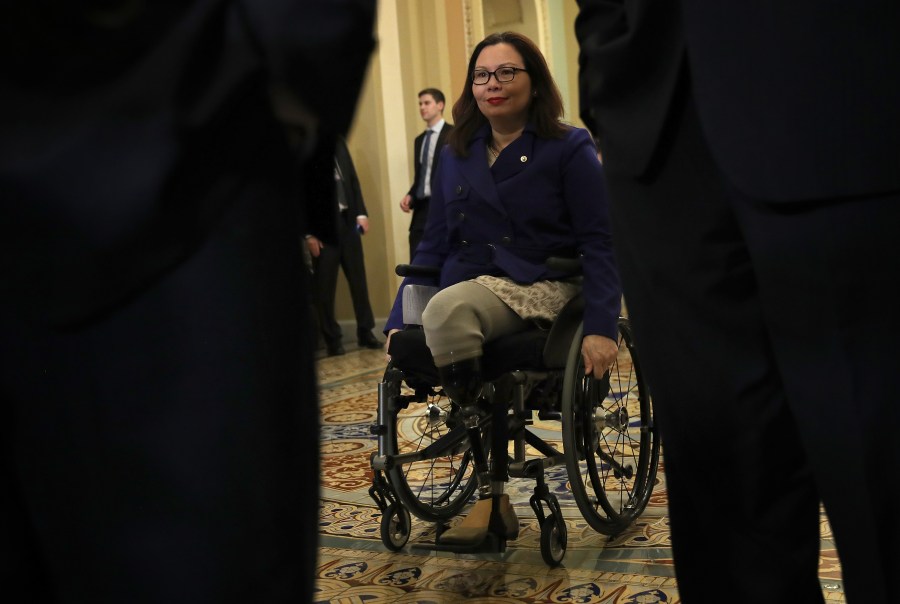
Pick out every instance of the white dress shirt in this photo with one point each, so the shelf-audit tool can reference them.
(428, 154)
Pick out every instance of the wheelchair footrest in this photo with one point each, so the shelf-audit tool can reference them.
(491, 544)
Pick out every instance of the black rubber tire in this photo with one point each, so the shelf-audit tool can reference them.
(396, 525)
(436, 488)
(553, 541)
(610, 438)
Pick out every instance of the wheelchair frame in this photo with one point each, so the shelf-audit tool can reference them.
(611, 473)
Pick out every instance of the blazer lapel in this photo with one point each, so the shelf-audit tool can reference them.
(474, 169)
(515, 157)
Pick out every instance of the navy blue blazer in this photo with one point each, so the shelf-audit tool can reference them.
(541, 198)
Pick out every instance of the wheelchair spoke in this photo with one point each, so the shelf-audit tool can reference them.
(434, 475)
(611, 427)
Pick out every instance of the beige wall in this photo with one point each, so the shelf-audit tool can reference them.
(426, 43)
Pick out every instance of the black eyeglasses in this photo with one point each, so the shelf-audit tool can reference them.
(504, 74)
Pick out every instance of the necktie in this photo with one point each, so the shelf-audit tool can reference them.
(340, 192)
(423, 165)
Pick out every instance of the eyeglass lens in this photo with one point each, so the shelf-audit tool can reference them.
(504, 74)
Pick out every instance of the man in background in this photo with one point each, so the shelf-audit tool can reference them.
(159, 440)
(751, 152)
(427, 152)
(346, 253)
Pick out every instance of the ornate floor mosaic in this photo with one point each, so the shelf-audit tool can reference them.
(355, 567)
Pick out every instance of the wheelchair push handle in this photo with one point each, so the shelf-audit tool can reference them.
(565, 265)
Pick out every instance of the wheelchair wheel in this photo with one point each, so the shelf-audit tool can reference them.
(553, 540)
(610, 439)
(434, 472)
(396, 526)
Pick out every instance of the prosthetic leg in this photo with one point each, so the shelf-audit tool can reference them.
(492, 520)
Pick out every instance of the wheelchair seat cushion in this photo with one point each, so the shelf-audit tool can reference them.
(522, 350)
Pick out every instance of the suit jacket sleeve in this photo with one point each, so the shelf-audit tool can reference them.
(630, 58)
(155, 126)
(417, 167)
(293, 45)
(355, 202)
(309, 95)
(599, 22)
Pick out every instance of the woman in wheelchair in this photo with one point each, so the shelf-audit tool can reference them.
(515, 187)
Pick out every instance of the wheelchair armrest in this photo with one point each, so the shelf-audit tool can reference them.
(417, 270)
(565, 265)
(415, 299)
(556, 263)
(565, 329)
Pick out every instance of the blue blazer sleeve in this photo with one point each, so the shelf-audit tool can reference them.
(584, 192)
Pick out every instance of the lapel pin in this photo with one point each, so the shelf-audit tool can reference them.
(523, 159)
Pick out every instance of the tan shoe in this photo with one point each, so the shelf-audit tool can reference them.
(474, 527)
(508, 515)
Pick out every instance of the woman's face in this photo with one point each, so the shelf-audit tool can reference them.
(505, 102)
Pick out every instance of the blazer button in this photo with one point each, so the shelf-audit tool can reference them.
(506, 240)
(461, 216)
(458, 189)
(464, 243)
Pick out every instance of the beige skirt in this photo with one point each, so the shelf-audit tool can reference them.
(540, 302)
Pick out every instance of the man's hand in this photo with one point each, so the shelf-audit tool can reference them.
(406, 203)
(315, 246)
(363, 223)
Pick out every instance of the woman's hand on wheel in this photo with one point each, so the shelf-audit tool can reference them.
(598, 353)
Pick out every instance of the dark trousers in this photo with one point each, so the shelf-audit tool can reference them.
(169, 451)
(768, 333)
(415, 236)
(348, 255)
(417, 225)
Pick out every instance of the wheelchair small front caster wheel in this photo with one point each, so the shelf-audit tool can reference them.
(553, 540)
(396, 525)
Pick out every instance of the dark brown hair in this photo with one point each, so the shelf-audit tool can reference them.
(436, 94)
(546, 107)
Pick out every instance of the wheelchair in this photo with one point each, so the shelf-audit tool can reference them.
(430, 452)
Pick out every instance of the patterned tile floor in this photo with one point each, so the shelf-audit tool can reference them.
(354, 566)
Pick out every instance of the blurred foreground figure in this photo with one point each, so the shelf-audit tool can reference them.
(159, 432)
(752, 153)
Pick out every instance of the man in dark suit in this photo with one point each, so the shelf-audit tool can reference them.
(346, 253)
(427, 157)
(752, 152)
(159, 440)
